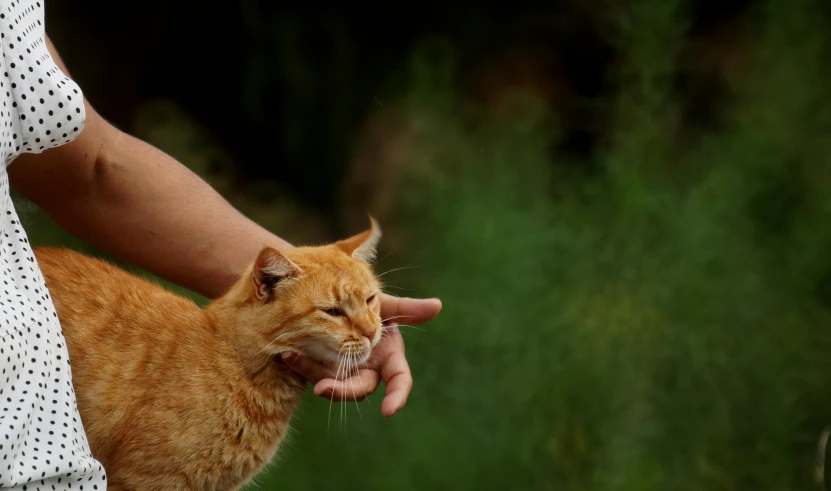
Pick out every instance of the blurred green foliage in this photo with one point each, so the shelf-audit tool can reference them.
(661, 322)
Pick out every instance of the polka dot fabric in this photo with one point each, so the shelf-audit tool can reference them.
(42, 442)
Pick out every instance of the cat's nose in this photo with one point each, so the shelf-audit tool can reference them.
(369, 333)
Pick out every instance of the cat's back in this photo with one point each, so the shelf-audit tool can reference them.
(68, 270)
(84, 285)
(105, 310)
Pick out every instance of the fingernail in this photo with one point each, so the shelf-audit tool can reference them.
(287, 355)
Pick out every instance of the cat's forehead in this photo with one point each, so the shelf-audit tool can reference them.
(325, 264)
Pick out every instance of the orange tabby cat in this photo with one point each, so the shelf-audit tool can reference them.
(176, 397)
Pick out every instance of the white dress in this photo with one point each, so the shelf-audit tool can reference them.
(42, 443)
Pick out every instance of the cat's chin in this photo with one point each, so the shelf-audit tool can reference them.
(357, 359)
(322, 354)
(330, 359)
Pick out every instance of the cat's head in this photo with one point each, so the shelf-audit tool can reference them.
(322, 302)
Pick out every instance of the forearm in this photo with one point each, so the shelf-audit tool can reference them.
(137, 203)
(146, 208)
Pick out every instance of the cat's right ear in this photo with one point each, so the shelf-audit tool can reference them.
(364, 245)
(271, 268)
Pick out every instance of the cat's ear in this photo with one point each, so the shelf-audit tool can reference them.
(363, 246)
(271, 268)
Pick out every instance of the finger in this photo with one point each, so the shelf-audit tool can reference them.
(354, 388)
(395, 371)
(409, 310)
(308, 368)
(396, 374)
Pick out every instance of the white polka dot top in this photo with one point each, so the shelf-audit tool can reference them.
(42, 443)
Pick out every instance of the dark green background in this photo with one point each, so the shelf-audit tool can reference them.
(625, 207)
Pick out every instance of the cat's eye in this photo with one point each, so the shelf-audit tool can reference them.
(370, 299)
(334, 312)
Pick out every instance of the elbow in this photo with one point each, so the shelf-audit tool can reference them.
(99, 173)
(98, 164)
(96, 179)
(76, 175)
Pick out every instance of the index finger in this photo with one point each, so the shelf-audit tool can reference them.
(409, 310)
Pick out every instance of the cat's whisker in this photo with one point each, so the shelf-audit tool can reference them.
(331, 400)
(386, 331)
(351, 379)
(367, 395)
(343, 398)
(411, 327)
(396, 269)
(386, 256)
(396, 317)
(329, 417)
(269, 344)
(343, 393)
(396, 287)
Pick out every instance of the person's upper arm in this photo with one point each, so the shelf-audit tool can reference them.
(61, 175)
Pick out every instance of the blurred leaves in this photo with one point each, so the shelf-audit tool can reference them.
(635, 333)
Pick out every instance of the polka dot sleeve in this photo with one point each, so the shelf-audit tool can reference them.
(43, 445)
(45, 107)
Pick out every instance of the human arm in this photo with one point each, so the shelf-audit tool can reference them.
(135, 202)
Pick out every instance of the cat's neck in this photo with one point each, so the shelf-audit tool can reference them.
(258, 366)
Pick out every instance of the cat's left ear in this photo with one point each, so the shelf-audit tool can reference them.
(271, 268)
(363, 246)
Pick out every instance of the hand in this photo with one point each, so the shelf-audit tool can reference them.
(387, 361)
